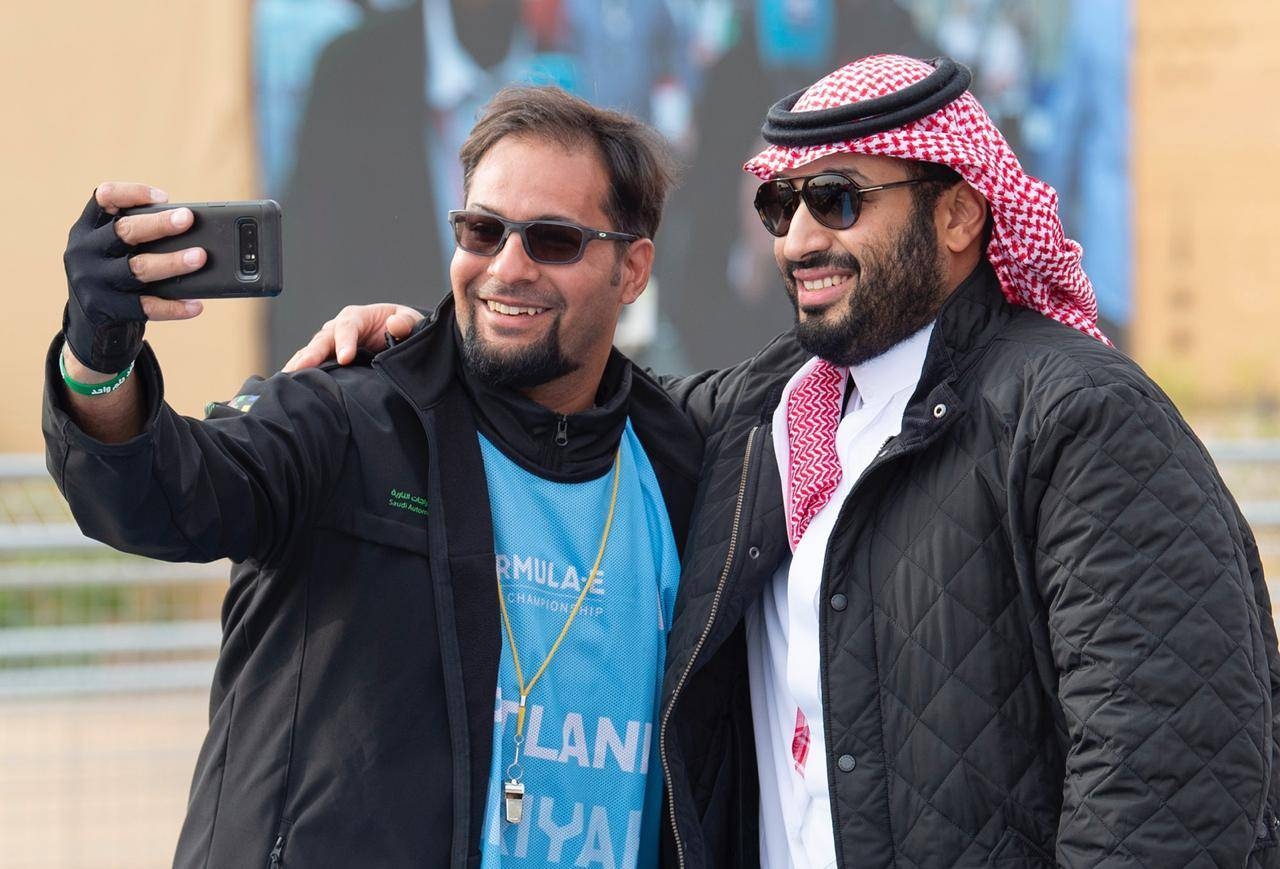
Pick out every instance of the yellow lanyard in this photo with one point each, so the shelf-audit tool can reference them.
(514, 769)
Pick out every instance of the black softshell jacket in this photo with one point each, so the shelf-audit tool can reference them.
(351, 714)
(1045, 635)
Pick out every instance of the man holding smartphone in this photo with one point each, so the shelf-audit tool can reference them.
(456, 562)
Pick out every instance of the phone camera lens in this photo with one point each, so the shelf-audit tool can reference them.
(248, 232)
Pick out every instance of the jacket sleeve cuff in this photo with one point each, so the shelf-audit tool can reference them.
(58, 424)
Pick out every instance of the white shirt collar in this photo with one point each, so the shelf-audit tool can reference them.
(896, 372)
(880, 378)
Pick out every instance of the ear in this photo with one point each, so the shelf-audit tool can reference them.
(963, 215)
(634, 269)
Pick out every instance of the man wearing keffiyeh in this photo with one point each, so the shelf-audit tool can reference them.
(963, 590)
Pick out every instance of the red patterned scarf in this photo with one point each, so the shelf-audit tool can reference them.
(813, 414)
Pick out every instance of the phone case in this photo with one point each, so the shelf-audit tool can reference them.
(220, 228)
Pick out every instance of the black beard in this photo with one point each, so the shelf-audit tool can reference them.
(534, 365)
(898, 293)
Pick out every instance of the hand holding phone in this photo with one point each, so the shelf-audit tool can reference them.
(241, 241)
(124, 269)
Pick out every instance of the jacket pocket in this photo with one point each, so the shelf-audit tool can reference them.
(380, 530)
(1016, 851)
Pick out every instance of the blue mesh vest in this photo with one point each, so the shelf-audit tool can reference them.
(590, 763)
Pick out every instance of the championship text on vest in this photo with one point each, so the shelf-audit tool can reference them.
(548, 585)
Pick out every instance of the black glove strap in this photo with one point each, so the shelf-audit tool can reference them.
(108, 348)
(103, 320)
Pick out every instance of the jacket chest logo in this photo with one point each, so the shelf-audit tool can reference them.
(401, 499)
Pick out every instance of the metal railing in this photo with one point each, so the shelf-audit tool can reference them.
(39, 553)
(43, 553)
(1263, 514)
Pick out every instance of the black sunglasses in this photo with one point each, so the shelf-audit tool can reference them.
(552, 242)
(834, 200)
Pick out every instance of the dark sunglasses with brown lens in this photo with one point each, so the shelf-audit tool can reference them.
(551, 242)
(833, 198)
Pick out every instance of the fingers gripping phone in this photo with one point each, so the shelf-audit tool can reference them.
(242, 241)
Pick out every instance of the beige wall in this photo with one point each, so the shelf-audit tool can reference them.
(149, 91)
(1207, 232)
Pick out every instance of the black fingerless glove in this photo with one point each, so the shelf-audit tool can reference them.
(103, 322)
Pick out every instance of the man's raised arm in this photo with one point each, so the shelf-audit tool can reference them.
(138, 475)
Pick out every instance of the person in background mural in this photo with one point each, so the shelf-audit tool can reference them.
(375, 166)
(726, 305)
(393, 99)
(989, 36)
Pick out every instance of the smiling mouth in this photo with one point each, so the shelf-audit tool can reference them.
(823, 283)
(513, 310)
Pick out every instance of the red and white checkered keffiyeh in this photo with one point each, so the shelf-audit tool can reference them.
(1038, 266)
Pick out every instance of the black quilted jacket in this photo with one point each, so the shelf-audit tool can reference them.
(1046, 638)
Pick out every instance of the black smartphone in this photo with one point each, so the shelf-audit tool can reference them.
(242, 240)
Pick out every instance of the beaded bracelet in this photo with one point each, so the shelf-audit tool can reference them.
(93, 388)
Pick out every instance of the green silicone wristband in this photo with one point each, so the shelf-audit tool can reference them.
(93, 388)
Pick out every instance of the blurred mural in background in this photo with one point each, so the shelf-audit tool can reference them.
(362, 106)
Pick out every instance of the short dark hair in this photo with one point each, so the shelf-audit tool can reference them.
(636, 158)
(940, 178)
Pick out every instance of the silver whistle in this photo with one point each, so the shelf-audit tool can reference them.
(513, 792)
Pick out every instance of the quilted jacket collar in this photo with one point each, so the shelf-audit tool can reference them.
(968, 321)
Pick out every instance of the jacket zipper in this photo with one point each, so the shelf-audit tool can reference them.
(458, 836)
(276, 857)
(706, 631)
(562, 430)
